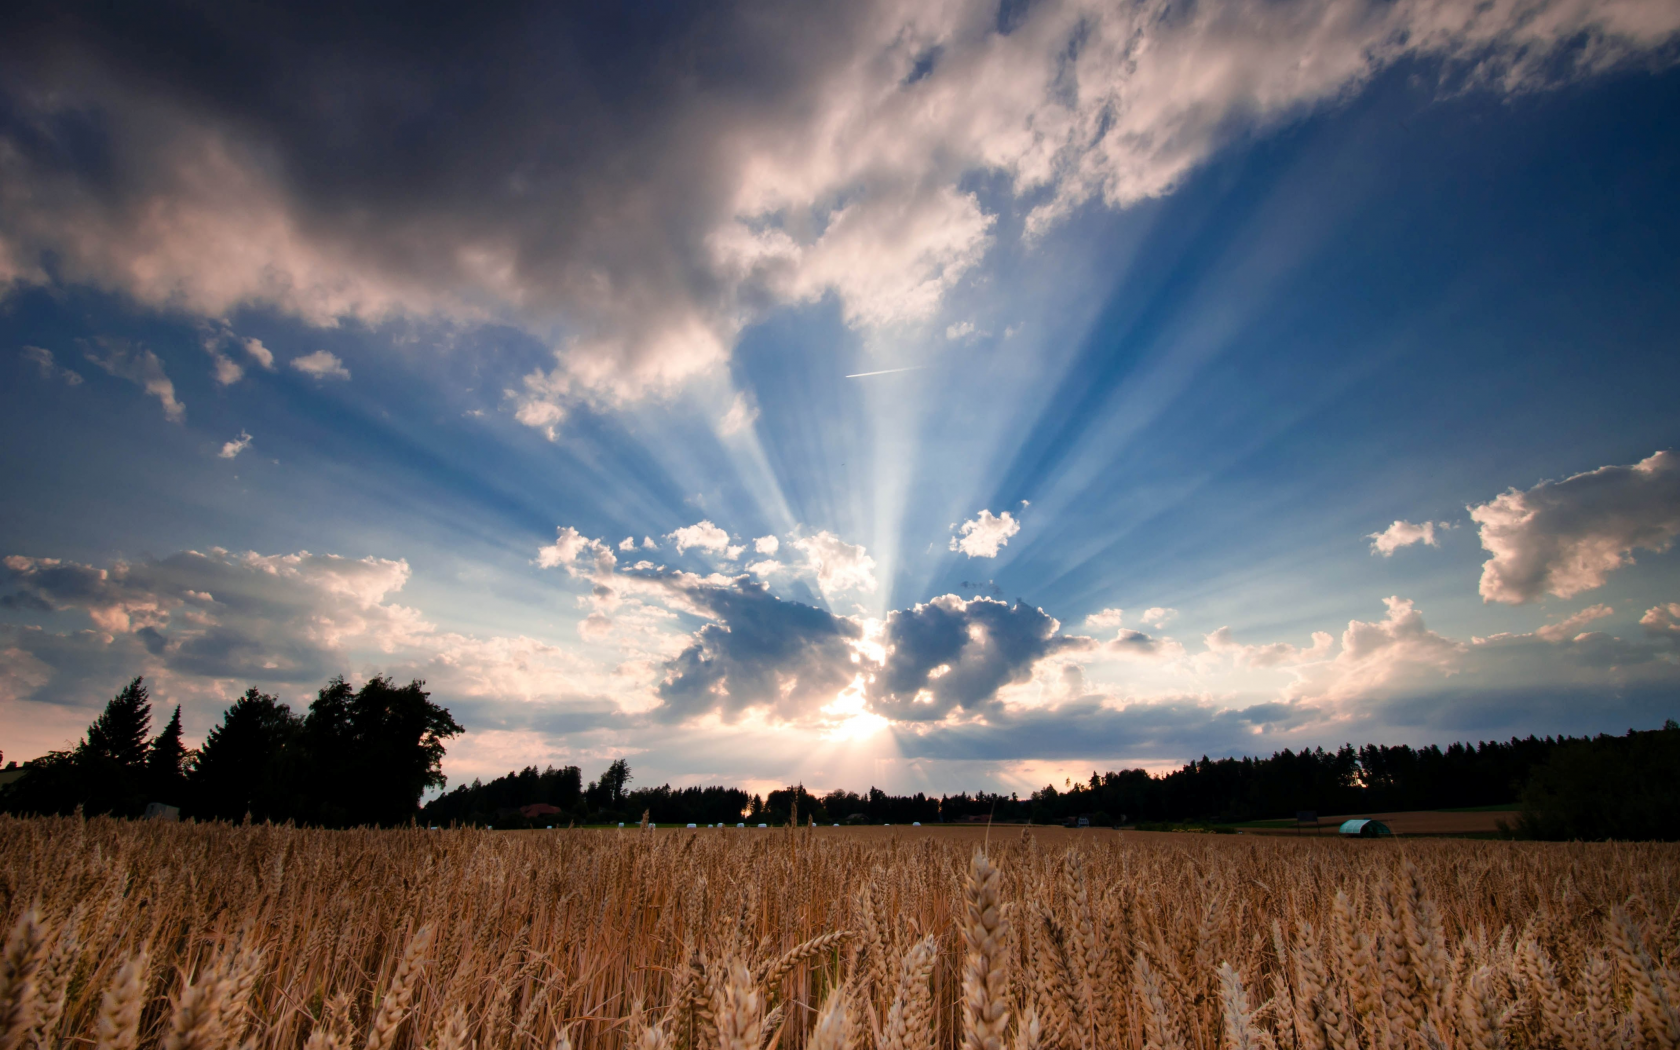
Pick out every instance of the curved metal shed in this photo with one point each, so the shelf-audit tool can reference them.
(1364, 829)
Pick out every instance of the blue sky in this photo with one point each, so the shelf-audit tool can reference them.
(1248, 376)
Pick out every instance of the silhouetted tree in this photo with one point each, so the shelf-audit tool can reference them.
(368, 755)
(166, 777)
(241, 767)
(120, 732)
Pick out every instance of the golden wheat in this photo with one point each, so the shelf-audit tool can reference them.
(122, 936)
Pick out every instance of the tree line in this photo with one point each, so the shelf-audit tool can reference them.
(1566, 787)
(366, 757)
(356, 757)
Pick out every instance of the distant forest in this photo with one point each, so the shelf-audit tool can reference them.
(367, 757)
(1568, 788)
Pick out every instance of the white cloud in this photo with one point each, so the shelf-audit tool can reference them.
(1103, 619)
(1568, 628)
(1376, 656)
(1137, 645)
(259, 353)
(569, 545)
(957, 331)
(233, 448)
(648, 544)
(742, 414)
(628, 543)
(1565, 537)
(734, 551)
(1662, 621)
(839, 566)
(702, 535)
(42, 358)
(1156, 616)
(1275, 654)
(767, 545)
(322, 364)
(142, 368)
(1404, 534)
(985, 535)
(227, 371)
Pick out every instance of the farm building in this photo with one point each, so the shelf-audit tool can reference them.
(1364, 829)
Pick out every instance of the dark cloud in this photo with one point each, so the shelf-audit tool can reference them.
(950, 653)
(216, 615)
(760, 651)
(647, 179)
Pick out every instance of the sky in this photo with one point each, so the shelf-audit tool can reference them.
(934, 396)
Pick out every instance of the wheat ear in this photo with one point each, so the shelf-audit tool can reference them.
(1478, 1013)
(740, 1018)
(985, 969)
(394, 1007)
(54, 981)
(834, 1023)
(195, 1023)
(1159, 1031)
(453, 1033)
(25, 949)
(1240, 1030)
(118, 1026)
(910, 1022)
(1656, 1014)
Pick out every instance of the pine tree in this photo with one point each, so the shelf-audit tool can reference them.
(165, 764)
(119, 734)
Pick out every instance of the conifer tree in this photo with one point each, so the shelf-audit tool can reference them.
(166, 763)
(119, 733)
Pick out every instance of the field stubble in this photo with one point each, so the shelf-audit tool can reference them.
(128, 935)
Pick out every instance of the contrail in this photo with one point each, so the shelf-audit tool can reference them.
(886, 372)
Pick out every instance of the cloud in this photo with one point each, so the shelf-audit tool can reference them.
(1567, 628)
(1105, 618)
(1565, 537)
(949, 653)
(233, 448)
(1157, 617)
(143, 369)
(1376, 657)
(1275, 654)
(1404, 534)
(227, 371)
(277, 618)
(259, 353)
(1662, 621)
(322, 364)
(839, 566)
(743, 413)
(985, 535)
(767, 545)
(957, 331)
(650, 210)
(42, 358)
(788, 658)
(568, 546)
(702, 535)
(1137, 645)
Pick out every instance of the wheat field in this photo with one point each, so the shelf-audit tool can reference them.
(125, 935)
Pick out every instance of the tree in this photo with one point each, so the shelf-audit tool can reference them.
(368, 754)
(242, 766)
(119, 734)
(166, 763)
(615, 780)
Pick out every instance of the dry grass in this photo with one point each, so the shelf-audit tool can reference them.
(134, 935)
